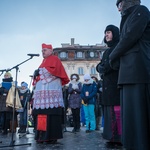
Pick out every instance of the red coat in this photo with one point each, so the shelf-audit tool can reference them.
(53, 64)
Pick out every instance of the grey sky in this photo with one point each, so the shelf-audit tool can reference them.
(26, 24)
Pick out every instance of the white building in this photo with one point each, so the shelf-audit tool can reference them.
(80, 59)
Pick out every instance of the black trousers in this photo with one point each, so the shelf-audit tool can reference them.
(76, 117)
(135, 109)
(53, 129)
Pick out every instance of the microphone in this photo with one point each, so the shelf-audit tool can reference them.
(32, 55)
(31, 76)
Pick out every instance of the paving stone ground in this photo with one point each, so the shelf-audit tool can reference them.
(71, 141)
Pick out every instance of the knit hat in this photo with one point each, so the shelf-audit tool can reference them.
(128, 3)
(48, 46)
(74, 77)
(24, 84)
(87, 77)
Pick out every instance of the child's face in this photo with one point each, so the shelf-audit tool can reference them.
(23, 87)
(6, 76)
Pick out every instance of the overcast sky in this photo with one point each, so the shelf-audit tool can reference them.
(26, 24)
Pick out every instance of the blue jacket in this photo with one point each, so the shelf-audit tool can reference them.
(92, 89)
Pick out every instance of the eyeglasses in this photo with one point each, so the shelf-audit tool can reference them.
(86, 80)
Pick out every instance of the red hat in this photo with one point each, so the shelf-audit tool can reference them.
(49, 46)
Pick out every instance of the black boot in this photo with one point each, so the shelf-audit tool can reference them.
(74, 130)
(23, 129)
(20, 129)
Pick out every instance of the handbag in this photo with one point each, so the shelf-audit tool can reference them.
(10, 99)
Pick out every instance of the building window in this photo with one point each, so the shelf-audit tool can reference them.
(80, 71)
(93, 70)
(92, 54)
(79, 55)
(63, 55)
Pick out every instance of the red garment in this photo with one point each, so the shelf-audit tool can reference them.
(118, 116)
(42, 122)
(49, 46)
(53, 64)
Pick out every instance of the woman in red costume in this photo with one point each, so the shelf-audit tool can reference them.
(48, 99)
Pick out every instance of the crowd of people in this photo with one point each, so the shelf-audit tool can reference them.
(8, 94)
(121, 96)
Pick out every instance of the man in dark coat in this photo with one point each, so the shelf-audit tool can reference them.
(133, 50)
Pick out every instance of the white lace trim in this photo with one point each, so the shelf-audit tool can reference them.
(48, 99)
(48, 91)
(45, 76)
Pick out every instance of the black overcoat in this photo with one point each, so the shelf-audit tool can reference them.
(133, 48)
(110, 93)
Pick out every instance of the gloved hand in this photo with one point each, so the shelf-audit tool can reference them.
(114, 64)
(36, 73)
(85, 100)
(101, 69)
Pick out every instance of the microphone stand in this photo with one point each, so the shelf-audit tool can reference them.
(14, 104)
(0, 75)
(2, 71)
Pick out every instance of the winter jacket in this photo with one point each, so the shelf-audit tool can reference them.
(74, 100)
(25, 96)
(110, 94)
(5, 86)
(92, 89)
(133, 48)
